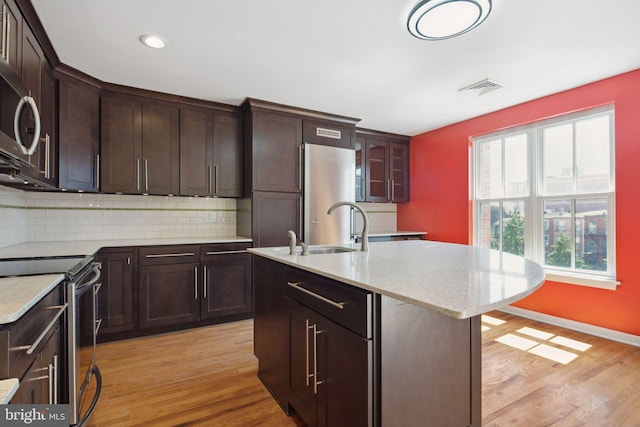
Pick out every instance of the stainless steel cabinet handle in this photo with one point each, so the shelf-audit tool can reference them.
(226, 252)
(393, 190)
(300, 165)
(55, 379)
(209, 179)
(306, 347)
(204, 280)
(7, 51)
(138, 174)
(51, 383)
(297, 286)
(146, 175)
(315, 359)
(195, 285)
(170, 255)
(30, 349)
(98, 171)
(47, 156)
(215, 179)
(3, 47)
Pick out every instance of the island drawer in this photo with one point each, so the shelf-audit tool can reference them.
(345, 305)
(213, 251)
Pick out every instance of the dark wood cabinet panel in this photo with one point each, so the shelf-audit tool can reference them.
(399, 172)
(271, 326)
(32, 60)
(273, 215)
(121, 146)
(277, 152)
(160, 149)
(11, 39)
(377, 171)
(116, 297)
(382, 167)
(226, 285)
(196, 153)
(168, 294)
(79, 135)
(227, 155)
(210, 153)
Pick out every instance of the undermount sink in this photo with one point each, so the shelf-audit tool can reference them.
(329, 250)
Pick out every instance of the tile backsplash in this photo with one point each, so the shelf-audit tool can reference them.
(40, 216)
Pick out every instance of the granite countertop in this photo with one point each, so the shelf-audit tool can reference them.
(458, 280)
(19, 294)
(8, 388)
(90, 247)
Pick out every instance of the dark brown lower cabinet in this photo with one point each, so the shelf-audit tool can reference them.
(168, 294)
(329, 371)
(226, 284)
(353, 358)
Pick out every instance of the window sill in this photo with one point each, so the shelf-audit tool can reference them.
(582, 280)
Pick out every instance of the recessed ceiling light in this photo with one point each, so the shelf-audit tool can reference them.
(153, 41)
(443, 19)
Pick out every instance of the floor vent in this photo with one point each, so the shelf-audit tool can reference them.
(483, 86)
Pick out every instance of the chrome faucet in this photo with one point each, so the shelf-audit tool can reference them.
(292, 242)
(365, 227)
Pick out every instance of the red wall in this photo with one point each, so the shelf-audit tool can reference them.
(440, 195)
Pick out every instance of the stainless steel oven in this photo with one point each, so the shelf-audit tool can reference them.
(82, 281)
(83, 370)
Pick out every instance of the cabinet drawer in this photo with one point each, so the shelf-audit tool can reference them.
(213, 251)
(19, 337)
(345, 305)
(163, 255)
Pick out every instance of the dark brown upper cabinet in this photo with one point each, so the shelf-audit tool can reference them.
(277, 152)
(210, 153)
(79, 134)
(140, 147)
(11, 36)
(382, 167)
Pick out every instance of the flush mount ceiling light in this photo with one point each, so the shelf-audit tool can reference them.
(443, 19)
(153, 41)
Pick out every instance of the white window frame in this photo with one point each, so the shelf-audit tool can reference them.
(533, 212)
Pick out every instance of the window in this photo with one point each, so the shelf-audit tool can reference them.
(546, 191)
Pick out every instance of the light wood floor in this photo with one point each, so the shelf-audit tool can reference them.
(207, 377)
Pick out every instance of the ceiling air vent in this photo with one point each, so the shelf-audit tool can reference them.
(328, 133)
(483, 86)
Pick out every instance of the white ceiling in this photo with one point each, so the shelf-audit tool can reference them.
(349, 57)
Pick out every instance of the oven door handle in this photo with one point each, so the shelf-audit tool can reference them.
(94, 279)
(44, 333)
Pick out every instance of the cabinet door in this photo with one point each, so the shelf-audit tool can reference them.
(160, 149)
(377, 170)
(227, 286)
(11, 40)
(168, 294)
(302, 364)
(196, 153)
(32, 60)
(47, 148)
(271, 327)
(120, 170)
(227, 143)
(399, 172)
(115, 299)
(277, 152)
(360, 169)
(79, 135)
(273, 215)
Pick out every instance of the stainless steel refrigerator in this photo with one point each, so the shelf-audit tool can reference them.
(329, 177)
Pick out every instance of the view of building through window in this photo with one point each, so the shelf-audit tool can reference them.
(546, 191)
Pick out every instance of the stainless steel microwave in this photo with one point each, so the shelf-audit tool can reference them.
(19, 122)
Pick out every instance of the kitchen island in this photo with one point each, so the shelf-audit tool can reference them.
(380, 338)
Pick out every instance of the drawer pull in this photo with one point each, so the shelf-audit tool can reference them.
(296, 285)
(44, 333)
(170, 255)
(226, 252)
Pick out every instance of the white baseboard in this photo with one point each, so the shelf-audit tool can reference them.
(597, 331)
